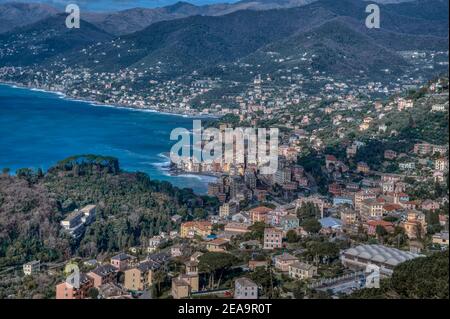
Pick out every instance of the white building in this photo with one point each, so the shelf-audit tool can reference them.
(300, 270)
(74, 223)
(32, 267)
(244, 288)
(384, 257)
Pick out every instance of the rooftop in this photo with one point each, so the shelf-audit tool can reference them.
(380, 253)
(245, 282)
(285, 257)
(122, 256)
(330, 222)
(302, 265)
(261, 210)
(104, 270)
(218, 242)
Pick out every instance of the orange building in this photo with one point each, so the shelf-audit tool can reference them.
(193, 228)
(416, 225)
(71, 290)
(103, 275)
(259, 214)
(371, 226)
(217, 245)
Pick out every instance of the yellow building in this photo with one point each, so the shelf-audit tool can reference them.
(187, 283)
(140, 277)
(195, 228)
(416, 225)
(372, 208)
(348, 217)
(217, 245)
(180, 289)
(300, 270)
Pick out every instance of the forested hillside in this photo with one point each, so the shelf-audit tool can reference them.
(130, 209)
(415, 279)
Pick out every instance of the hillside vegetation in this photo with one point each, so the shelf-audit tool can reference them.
(130, 208)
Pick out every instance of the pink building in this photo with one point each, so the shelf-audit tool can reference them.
(283, 261)
(122, 261)
(71, 290)
(273, 238)
(103, 275)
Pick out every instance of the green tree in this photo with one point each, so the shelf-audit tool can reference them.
(307, 211)
(216, 263)
(323, 252)
(257, 230)
(93, 293)
(381, 231)
(264, 278)
(159, 278)
(200, 213)
(300, 290)
(291, 236)
(311, 225)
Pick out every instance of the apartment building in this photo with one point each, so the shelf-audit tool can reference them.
(103, 275)
(283, 261)
(372, 208)
(245, 288)
(71, 289)
(361, 196)
(140, 277)
(300, 270)
(195, 228)
(31, 268)
(273, 238)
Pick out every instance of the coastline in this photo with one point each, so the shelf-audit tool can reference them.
(162, 165)
(180, 173)
(63, 95)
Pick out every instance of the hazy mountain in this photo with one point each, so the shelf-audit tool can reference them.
(332, 32)
(199, 41)
(46, 39)
(13, 15)
(128, 21)
(335, 47)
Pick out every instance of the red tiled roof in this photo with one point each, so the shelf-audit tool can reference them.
(261, 210)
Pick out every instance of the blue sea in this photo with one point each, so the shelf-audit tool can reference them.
(37, 129)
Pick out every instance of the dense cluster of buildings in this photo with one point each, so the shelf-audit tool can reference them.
(346, 197)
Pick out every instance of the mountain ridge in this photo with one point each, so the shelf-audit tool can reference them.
(194, 43)
(135, 19)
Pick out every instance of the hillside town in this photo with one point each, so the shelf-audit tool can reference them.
(357, 206)
(308, 231)
(317, 228)
(249, 94)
